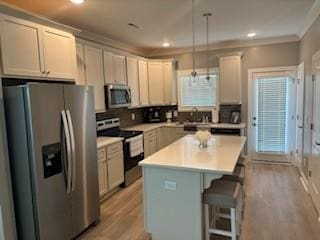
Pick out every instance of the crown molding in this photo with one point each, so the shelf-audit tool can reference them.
(225, 45)
(93, 37)
(310, 18)
(15, 11)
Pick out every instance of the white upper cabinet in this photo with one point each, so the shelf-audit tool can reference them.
(114, 68)
(59, 54)
(108, 68)
(120, 75)
(81, 78)
(133, 81)
(143, 83)
(21, 54)
(169, 78)
(33, 50)
(94, 75)
(156, 84)
(230, 80)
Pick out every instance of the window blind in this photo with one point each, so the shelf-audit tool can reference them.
(272, 112)
(198, 92)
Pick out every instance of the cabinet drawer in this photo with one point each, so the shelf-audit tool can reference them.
(101, 155)
(150, 134)
(116, 147)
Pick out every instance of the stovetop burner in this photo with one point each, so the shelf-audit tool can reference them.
(111, 128)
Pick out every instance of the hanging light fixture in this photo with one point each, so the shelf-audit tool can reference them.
(207, 16)
(193, 73)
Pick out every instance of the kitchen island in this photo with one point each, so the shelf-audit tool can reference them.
(174, 179)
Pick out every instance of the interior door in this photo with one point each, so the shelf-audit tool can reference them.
(79, 104)
(299, 117)
(44, 107)
(272, 116)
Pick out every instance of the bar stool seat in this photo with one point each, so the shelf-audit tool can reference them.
(237, 176)
(222, 194)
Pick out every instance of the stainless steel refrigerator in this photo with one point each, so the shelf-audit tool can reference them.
(52, 150)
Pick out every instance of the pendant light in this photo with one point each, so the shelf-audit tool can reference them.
(193, 73)
(207, 16)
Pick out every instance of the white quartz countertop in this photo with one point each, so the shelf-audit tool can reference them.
(106, 141)
(220, 157)
(152, 126)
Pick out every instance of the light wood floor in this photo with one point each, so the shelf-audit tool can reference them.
(277, 208)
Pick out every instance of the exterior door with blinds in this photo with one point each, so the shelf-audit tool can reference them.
(272, 116)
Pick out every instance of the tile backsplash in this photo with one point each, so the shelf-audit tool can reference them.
(225, 112)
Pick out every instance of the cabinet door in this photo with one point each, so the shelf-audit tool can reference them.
(103, 177)
(21, 47)
(143, 83)
(120, 75)
(94, 75)
(156, 85)
(153, 145)
(108, 68)
(230, 80)
(168, 78)
(59, 54)
(81, 79)
(133, 81)
(115, 170)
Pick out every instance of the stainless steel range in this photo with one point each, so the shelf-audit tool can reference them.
(111, 128)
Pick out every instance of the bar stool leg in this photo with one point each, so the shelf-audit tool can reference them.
(207, 221)
(233, 224)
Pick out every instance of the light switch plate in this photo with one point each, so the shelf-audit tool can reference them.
(170, 185)
(133, 116)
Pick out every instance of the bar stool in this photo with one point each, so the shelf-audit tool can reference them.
(222, 194)
(241, 162)
(238, 175)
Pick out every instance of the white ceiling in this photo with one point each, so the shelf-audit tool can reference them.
(170, 20)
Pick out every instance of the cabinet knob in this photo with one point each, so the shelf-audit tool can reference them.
(48, 72)
(43, 72)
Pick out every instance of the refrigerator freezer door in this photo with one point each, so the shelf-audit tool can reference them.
(44, 106)
(79, 105)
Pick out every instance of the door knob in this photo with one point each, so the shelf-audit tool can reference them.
(254, 118)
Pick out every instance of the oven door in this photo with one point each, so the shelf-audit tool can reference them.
(130, 162)
(117, 96)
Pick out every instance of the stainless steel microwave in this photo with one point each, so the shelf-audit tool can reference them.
(117, 96)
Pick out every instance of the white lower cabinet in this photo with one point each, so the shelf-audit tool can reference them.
(115, 170)
(102, 172)
(150, 143)
(110, 168)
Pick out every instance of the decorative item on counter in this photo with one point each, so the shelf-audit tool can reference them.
(169, 116)
(215, 115)
(203, 137)
(235, 117)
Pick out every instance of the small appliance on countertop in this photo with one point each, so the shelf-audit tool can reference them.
(133, 151)
(153, 115)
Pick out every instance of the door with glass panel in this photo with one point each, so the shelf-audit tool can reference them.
(272, 116)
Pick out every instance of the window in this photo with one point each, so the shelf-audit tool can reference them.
(199, 92)
(272, 114)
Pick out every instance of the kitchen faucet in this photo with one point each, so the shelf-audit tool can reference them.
(196, 110)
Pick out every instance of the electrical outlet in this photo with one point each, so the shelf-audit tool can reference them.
(133, 116)
(170, 185)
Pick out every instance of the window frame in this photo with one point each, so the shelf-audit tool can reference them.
(181, 73)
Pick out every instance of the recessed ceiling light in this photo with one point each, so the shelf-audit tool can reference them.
(77, 1)
(252, 34)
(166, 44)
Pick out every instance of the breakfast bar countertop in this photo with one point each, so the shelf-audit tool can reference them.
(219, 157)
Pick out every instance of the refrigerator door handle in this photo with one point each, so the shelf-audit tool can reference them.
(73, 149)
(69, 156)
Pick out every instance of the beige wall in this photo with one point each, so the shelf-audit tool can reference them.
(275, 55)
(310, 44)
